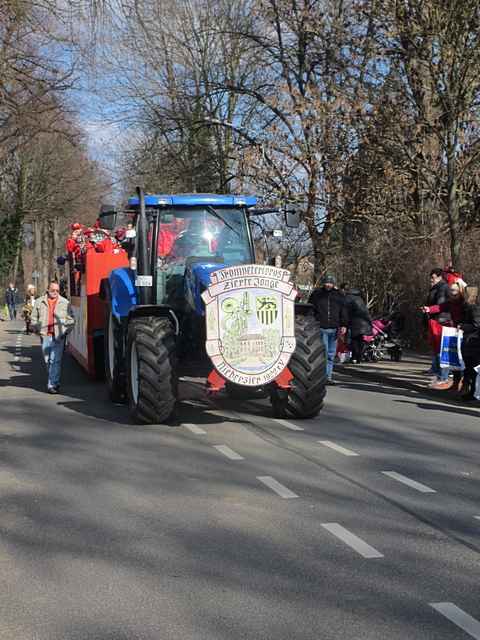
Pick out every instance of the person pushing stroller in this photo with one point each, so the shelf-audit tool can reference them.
(359, 323)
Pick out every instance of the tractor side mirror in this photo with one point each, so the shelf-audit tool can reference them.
(292, 218)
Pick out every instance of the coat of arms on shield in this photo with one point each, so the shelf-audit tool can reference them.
(250, 315)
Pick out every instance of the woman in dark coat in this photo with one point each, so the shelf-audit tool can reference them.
(359, 322)
(471, 342)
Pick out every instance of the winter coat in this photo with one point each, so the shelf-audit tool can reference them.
(28, 308)
(360, 322)
(454, 309)
(452, 313)
(471, 334)
(329, 305)
(64, 320)
(11, 297)
(437, 296)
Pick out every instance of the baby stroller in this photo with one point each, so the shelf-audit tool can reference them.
(385, 339)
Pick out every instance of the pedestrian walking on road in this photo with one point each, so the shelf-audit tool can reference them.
(329, 305)
(28, 307)
(11, 298)
(359, 323)
(52, 318)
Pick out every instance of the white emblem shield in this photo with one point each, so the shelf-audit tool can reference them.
(250, 315)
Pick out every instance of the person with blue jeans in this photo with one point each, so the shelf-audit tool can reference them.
(11, 298)
(53, 319)
(438, 295)
(330, 311)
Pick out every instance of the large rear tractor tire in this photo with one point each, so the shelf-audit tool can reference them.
(308, 366)
(152, 371)
(114, 359)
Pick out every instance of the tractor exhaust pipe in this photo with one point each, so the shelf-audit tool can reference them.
(141, 251)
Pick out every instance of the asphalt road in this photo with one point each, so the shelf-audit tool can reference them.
(230, 524)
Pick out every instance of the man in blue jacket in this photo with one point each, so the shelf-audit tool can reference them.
(331, 313)
(11, 298)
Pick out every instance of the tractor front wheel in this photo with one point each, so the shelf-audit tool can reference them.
(114, 358)
(308, 366)
(151, 370)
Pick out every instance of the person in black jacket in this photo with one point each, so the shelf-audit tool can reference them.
(359, 323)
(329, 305)
(438, 295)
(11, 298)
(471, 342)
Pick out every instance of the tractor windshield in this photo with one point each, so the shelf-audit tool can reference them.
(220, 235)
(211, 235)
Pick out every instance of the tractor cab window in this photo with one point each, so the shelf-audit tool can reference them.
(219, 235)
(211, 235)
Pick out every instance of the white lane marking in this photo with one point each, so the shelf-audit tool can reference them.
(229, 453)
(477, 517)
(279, 489)
(337, 447)
(411, 483)
(458, 617)
(194, 428)
(353, 541)
(289, 425)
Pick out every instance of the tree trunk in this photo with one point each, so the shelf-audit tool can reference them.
(37, 254)
(53, 268)
(19, 213)
(453, 213)
(18, 254)
(45, 255)
(319, 257)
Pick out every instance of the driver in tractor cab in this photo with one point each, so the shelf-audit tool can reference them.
(166, 240)
(198, 239)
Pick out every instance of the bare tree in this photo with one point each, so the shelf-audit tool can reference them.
(433, 49)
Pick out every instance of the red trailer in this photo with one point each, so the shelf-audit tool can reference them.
(86, 340)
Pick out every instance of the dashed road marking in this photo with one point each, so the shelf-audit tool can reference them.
(289, 425)
(477, 517)
(409, 482)
(279, 489)
(338, 448)
(458, 617)
(229, 453)
(18, 348)
(353, 541)
(194, 428)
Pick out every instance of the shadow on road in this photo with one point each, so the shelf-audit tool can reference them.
(451, 407)
(441, 400)
(89, 397)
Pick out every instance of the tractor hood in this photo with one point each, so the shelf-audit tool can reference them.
(197, 279)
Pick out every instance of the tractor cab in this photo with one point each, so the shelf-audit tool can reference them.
(187, 238)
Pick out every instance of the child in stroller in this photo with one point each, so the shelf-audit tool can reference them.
(385, 338)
